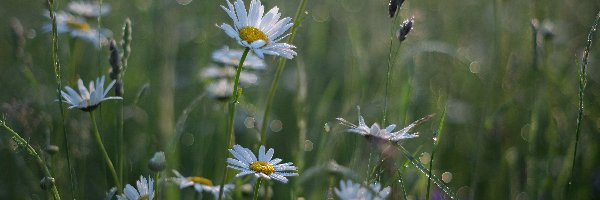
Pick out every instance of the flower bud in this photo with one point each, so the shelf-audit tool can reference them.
(157, 163)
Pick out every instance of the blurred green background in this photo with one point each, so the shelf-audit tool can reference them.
(506, 71)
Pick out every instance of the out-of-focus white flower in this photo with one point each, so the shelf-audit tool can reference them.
(200, 184)
(354, 191)
(88, 9)
(77, 27)
(231, 57)
(220, 89)
(215, 72)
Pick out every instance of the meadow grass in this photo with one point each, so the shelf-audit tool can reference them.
(507, 80)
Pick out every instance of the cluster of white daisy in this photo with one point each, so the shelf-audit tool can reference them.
(76, 23)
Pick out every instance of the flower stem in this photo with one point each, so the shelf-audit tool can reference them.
(156, 189)
(58, 77)
(236, 95)
(31, 151)
(256, 187)
(389, 72)
(275, 83)
(105, 155)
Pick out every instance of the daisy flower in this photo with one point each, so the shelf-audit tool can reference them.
(88, 9)
(376, 131)
(145, 190)
(200, 184)
(260, 33)
(77, 27)
(231, 57)
(263, 167)
(354, 191)
(87, 100)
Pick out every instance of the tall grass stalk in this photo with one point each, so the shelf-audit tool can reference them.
(436, 139)
(58, 77)
(388, 72)
(126, 51)
(582, 84)
(105, 154)
(280, 67)
(447, 190)
(231, 124)
(31, 151)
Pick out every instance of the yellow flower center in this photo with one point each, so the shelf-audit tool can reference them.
(78, 25)
(263, 167)
(200, 180)
(251, 34)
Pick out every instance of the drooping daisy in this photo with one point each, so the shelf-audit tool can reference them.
(77, 27)
(88, 9)
(353, 191)
(260, 33)
(87, 99)
(263, 167)
(231, 57)
(376, 131)
(144, 191)
(200, 184)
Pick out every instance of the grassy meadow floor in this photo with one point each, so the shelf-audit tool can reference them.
(502, 78)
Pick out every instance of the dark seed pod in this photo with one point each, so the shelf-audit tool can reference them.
(393, 6)
(116, 68)
(405, 29)
(46, 183)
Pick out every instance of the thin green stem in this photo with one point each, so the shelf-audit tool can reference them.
(58, 77)
(105, 154)
(256, 188)
(436, 138)
(31, 151)
(388, 73)
(236, 95)
(275, 83)
(156, 189)
(582, 84)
